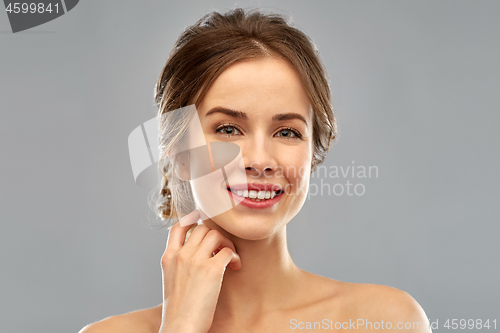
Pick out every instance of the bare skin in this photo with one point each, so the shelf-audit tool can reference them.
(328, 299)
(262, 289)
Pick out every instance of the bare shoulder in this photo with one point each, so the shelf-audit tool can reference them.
(385, 297)
(347, 302)
(384, 303)
(140, 321)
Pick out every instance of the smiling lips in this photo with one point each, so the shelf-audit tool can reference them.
(255, 195)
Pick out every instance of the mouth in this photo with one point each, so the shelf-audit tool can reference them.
(256, 195)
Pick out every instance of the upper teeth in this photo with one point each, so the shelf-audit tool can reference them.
(256, 194)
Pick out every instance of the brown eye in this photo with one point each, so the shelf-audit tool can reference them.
(286, 133)
(289, 133)
(228, 130)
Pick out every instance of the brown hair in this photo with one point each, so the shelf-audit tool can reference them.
(218, 40)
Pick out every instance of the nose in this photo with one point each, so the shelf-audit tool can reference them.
(259, 157)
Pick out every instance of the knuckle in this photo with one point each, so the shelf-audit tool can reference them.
(215, 234)
(226, 251)
(164, 261)
(201, 227)
(167, 254)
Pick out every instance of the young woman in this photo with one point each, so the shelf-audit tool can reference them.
(257, 82)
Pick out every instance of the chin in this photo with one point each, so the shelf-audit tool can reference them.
(249, 227)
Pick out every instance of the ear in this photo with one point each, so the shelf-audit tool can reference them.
(181, 166)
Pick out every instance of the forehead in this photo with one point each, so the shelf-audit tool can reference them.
(260, 87)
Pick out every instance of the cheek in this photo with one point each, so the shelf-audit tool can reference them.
(297, 169)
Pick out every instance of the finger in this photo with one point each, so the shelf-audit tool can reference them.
(197, 236)
(213, 242)
(177, 234)
(227, 256)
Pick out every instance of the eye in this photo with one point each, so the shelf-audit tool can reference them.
(227, 130)
(289, 133)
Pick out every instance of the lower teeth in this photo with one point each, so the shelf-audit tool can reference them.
(255, 199)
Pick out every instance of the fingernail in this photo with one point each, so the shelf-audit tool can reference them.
(190, 218)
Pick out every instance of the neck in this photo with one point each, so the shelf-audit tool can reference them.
(267, 280)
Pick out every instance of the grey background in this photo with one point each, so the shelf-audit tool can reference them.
(415, 85)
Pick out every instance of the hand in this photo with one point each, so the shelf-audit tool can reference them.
(192, 275)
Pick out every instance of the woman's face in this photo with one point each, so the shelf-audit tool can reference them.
(273, 128)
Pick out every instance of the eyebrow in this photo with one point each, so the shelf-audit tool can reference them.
(243, 115)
